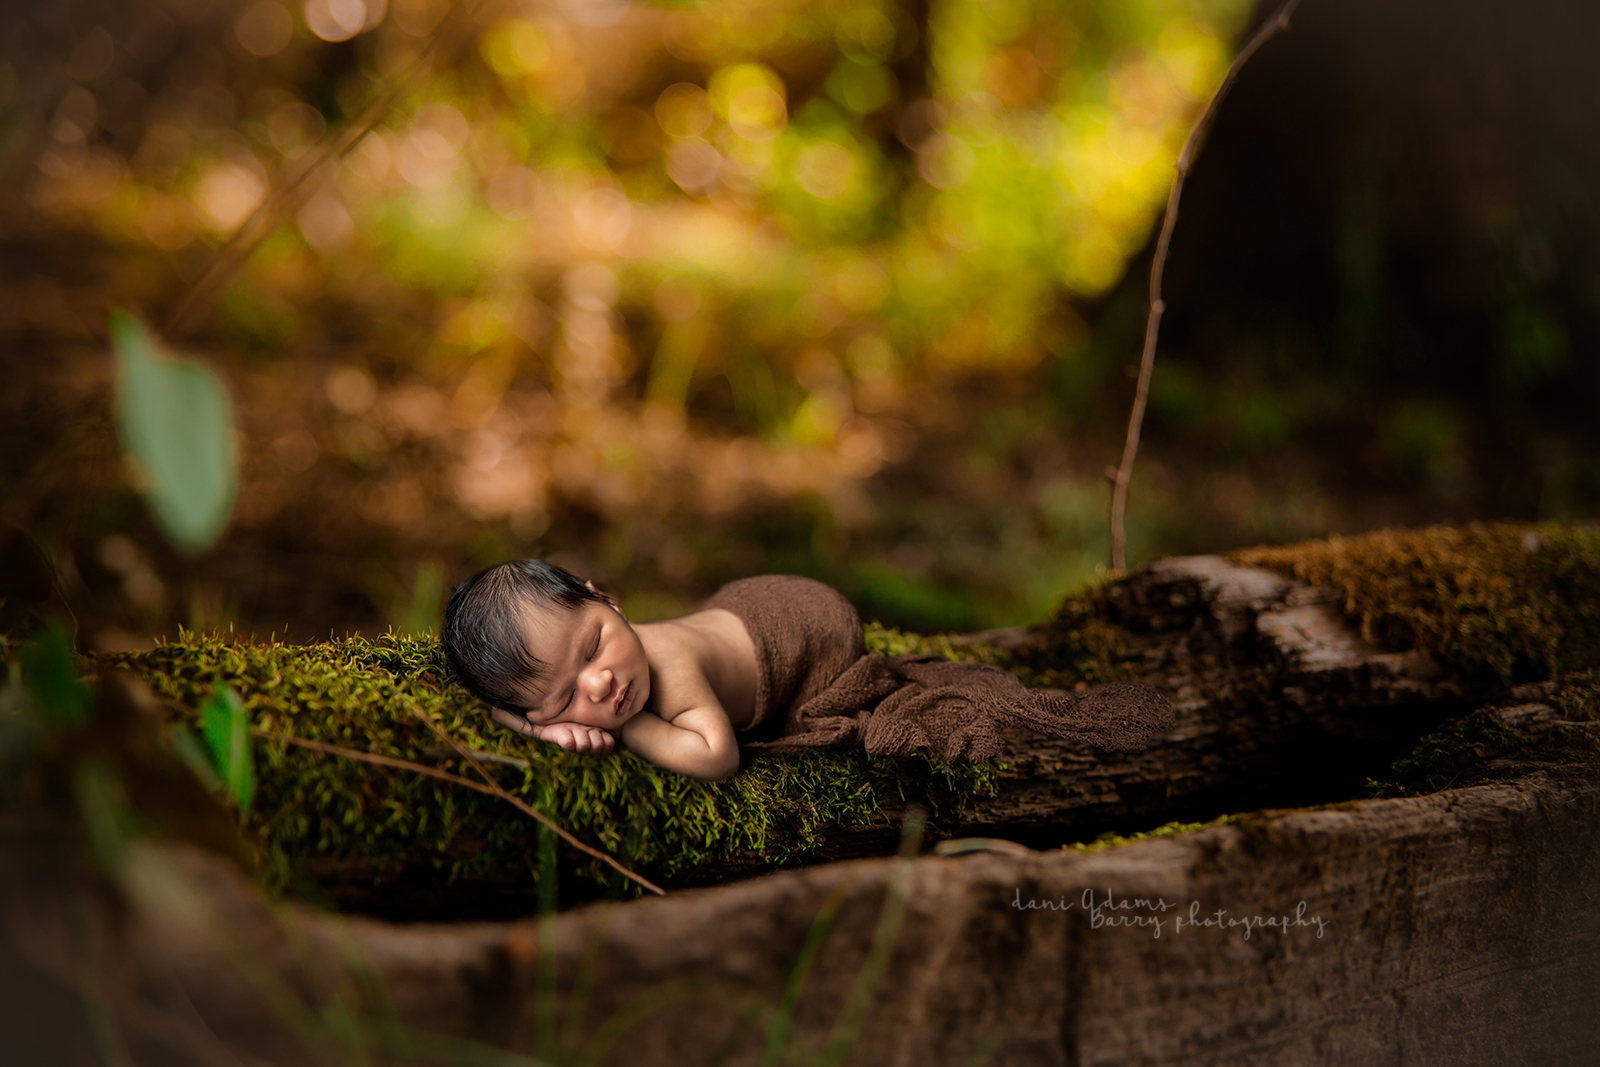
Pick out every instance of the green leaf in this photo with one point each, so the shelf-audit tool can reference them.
(194, 755)
(60, 696)
(176, 423)
(226, 727)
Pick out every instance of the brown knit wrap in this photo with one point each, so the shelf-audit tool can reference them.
(806, 634)
(817, 688)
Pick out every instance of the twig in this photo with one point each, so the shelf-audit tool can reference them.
(540, 816)
(371, 757)
(55, 575)
(289, 194)
(492, 789)
(1121, 474)
(478, 755)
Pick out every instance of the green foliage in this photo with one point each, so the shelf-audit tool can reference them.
(1423, 440)
(60, 697)
(107, 817)
(176, 423)
(226, 727)
(192, 752)
(1499, 601)
(330, 814)
(427, 593)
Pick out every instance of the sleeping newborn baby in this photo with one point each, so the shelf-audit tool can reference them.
(778, 659)
(558, 661)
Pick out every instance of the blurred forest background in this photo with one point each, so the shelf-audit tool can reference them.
(674, 294)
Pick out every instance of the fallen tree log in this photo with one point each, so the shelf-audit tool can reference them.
(1441, 925)
(1281, 700)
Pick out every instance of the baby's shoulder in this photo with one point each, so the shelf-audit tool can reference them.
(687, 646)
(704, 658)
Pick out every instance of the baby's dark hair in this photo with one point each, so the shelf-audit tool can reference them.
(483, 635)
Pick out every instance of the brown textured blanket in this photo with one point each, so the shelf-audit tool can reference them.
(818, 688)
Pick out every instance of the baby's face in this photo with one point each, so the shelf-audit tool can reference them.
(599, 675)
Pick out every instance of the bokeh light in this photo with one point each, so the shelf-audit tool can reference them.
(642, 263)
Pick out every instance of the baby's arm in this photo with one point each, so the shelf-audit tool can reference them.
(567, 735)
(697, 742)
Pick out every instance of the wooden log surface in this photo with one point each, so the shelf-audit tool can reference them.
(1460, 927)
(1278, 700)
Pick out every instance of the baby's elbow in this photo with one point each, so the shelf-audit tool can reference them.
(723, 762)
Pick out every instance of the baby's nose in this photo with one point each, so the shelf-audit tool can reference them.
(600, 682)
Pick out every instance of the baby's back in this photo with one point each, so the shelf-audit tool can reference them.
(803, 634)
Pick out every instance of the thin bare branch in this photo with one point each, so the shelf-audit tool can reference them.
(540, 816)
(371, 757)
(1130, 449)
(492, 789)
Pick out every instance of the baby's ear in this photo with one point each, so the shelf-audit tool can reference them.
(607, 597)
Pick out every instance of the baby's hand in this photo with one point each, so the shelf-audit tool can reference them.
(570, 736)
(575, 738)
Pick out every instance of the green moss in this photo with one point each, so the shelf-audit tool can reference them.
(1497, 602)
(1171, 829)
(884, 641)
(331, 813)
(1075, 646)
(1480, 747)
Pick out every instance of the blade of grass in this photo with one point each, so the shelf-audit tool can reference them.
(578, 1002)
(780, 1031)
(847, 1027)
(545, 1020)
(661, 995)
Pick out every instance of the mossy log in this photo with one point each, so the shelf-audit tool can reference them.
(1454, 920)
(1299, 674)
(1289, 690)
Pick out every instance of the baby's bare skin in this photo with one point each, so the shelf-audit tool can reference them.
(696, 673)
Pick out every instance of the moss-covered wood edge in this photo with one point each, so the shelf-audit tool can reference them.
(319, 818)
(1513, 608)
